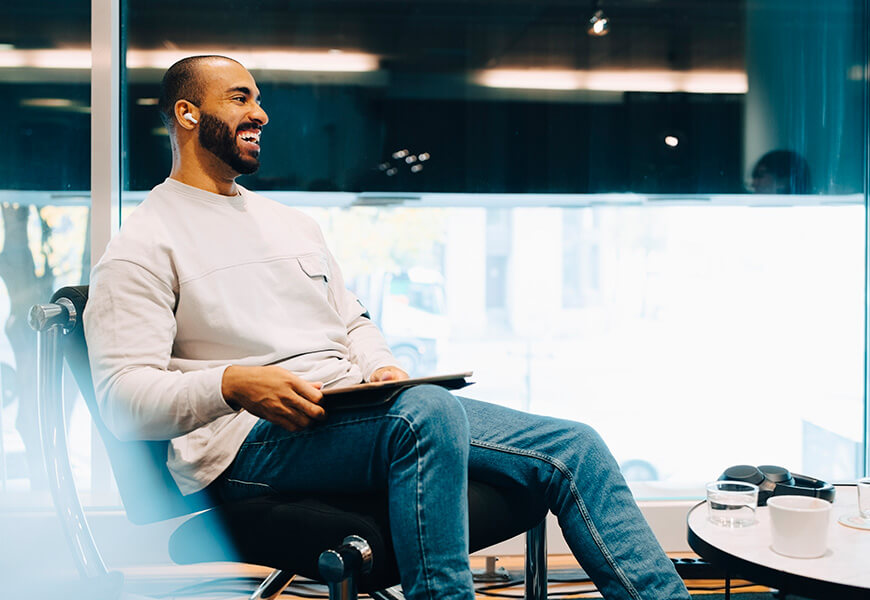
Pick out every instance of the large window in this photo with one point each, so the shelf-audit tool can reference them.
(44, 211)
(660, 231)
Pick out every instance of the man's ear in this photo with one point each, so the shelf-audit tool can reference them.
(186, 114)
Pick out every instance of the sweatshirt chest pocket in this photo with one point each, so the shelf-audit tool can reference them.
(317, 270)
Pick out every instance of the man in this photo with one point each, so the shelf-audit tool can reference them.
(781, 172)
(208, 282)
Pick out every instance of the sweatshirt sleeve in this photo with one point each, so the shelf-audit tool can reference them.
(368, 349)
(129, 325)
(367, 346)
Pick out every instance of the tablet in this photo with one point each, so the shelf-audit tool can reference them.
(381, 392)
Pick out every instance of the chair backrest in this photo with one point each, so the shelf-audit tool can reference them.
(148, 491)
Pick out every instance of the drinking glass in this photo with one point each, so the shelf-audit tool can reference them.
(864, 498)
(732, 503)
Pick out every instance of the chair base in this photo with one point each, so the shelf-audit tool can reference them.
(273, 585)
(393, 593)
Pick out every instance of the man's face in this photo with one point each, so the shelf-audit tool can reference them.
(217, 137)
(231, 118)
(763, 181)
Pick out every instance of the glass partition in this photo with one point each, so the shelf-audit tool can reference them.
(44, 211)
(659, 231)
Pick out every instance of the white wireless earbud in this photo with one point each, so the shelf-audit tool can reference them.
(190, 118)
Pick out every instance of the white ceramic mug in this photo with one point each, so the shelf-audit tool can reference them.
(799, 525)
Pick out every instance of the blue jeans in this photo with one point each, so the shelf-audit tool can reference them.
(424, 445)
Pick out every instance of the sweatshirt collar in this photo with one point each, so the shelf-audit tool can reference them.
(238, 201)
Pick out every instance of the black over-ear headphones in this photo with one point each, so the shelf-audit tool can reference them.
(777, 481)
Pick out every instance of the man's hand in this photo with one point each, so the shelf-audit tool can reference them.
(388, 374)
(274, 394)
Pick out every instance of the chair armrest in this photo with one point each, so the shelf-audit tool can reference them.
(51, 321)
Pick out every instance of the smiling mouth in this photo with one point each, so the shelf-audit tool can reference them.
(250, 139)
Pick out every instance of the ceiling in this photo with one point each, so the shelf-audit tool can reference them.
(435, 37)
(428, 35)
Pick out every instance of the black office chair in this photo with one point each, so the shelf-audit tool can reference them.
(341, 540)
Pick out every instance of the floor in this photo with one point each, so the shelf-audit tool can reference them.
(230, 581)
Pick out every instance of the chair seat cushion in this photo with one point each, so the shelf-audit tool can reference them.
(290, 534)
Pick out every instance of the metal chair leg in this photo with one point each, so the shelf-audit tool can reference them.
(273, 585)
(536, 562)
(343, 590)
(341, 567)
(536, 568)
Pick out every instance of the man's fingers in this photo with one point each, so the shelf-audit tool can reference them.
(305, 407)
(307, 390)
(274, 394)
(388, 374)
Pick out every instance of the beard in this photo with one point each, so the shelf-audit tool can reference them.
(216, 137)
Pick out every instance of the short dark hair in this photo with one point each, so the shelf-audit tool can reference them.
(182, 81)
(790, 170)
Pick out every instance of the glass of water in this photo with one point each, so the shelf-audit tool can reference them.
(732, 503)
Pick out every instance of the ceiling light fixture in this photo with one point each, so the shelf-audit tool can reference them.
(599, 24)
(48, 103)
(262, 58)
(697, 82)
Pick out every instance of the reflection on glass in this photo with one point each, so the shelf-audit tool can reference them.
(781, 172)
(44, 183)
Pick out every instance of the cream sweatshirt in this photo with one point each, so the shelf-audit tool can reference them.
(195, 282)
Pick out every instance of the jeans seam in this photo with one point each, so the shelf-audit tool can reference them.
(581, 505)
(252, 483)
(418, 475)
